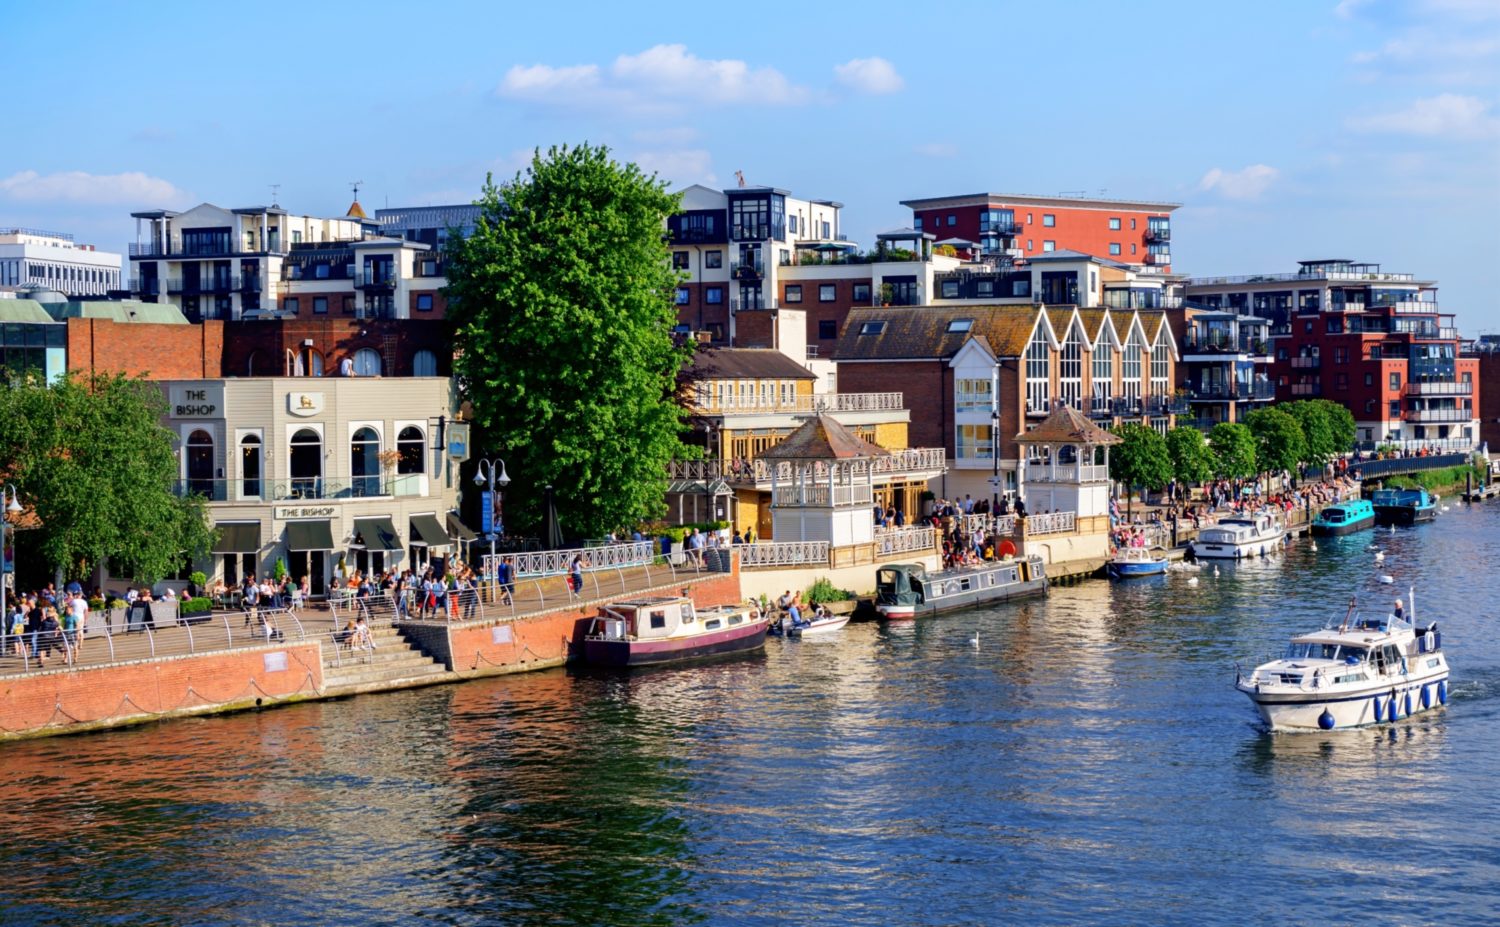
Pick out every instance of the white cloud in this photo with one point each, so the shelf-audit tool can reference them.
(937, 150)
(1464, 9)
(662, 77)
(133, 188)
(1428, 49)
(1347, 8)
(1449, 115)
(1245, 184)
(869, 75)
(679, 167)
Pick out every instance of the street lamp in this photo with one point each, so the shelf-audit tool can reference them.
(708, 450)
(994, 461)
(485, 474)
(12, 507)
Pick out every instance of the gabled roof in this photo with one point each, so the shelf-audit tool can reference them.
(823, 438)
(921, 332)
(1066, 425)
(1093, 321)
(745, 364)
(123, 310)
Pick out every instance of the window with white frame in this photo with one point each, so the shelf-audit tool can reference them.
(1160, 361)
(1038, 372)
(1070, 369)
(1104, 368)
(973, 395)
(973, 441)
(1130, 368)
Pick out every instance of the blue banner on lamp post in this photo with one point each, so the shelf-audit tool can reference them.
(487, 513)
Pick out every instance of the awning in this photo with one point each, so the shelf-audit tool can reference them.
(237, 537)
(460, 530)
(425, 529)
(309, 535)
(376, 533)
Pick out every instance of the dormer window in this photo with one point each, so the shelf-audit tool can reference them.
(872, 328)
(958, 326)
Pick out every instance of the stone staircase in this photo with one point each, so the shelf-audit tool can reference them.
(394, 663)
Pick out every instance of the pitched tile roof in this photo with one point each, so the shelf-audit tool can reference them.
(922, 331)
(1066, 425)
(822, 438)
(745, 363)
(1093, 322)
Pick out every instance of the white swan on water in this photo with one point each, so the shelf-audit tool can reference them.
(975, 639)
(1192, 580)
(1386, 579)
(1379, 556)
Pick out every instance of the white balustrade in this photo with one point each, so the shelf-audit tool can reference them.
(905, 540)
(1051, 523)
(783, 553)
(555, 562)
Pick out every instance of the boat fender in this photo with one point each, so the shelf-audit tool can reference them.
(1407, 706)
(1391, 708)
(1426, 697)
(1325, 720)
(1377, 709)
(1442, 692)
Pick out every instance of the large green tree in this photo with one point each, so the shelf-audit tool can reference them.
(1317, 429)
(1340, 424)
(1280, 444)
(1140, 459)
(1192, 458)
(1234, 449)
(90, 457)
(563, 306)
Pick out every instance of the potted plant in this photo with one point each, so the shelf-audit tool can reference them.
(197, 582)
(886, 293)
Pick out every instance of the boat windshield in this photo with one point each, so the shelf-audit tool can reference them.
(1304, 651)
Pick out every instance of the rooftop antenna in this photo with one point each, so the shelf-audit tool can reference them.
(275, 193)
(356, 184)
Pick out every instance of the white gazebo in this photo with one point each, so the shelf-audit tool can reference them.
(823, 484)
(1067, 467)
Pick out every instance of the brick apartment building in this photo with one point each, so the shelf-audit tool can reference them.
(1373, 341)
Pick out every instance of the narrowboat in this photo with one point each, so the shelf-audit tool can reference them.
(1358, 672)
(668, 629)
(906, 590)
(1403, 506)
(1344, 517)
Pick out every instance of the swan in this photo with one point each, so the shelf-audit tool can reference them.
(1192, 580)
(1379, 556)
(975, 639)
(1386, 579)
(1216, 570)
(1315, 546)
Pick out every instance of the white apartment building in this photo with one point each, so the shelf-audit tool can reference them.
(53, 259)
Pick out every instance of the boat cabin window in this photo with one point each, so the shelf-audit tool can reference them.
(736, 619)
(658, 620)
(687, 613)
(964, 585)
(1323, 652)
(712, 624)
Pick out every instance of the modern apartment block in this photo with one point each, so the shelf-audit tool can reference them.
(32, 257)
(1371, 340)
(1016, 226)
(1226, 370)
(977, 376)
(264, 262)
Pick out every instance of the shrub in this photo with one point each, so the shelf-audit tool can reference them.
(824, 591)
(96, 605)
(198, 606)
(280, 570)
(679, 532)
(198, 578)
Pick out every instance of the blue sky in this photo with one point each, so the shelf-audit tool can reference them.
(1367, 129)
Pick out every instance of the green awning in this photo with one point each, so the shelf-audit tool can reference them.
(237, 537)
(309, 535)
(425, 529)
(460, 530)
(377, 533)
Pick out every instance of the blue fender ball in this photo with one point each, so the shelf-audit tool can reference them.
(1391, 709)
(1407, 706)
(1443, 692)
(1377, 708)
(1325, 720)
(1426, 697)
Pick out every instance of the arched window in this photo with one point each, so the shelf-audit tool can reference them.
(367, 362)
(252, 363)
(409, 446)
(250, 467)
(424, 364)
(305, 463)
(364, 462)
(1038, 374)
(200, 463)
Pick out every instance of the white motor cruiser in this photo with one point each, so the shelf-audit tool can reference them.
(1358, 672)
(1240, 536)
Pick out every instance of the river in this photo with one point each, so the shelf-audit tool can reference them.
(1090, 762)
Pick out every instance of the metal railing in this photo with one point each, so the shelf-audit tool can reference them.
(376, 279)
(1051, 523)
(1317, 275)
(783, 553)
(821, 494)
(40, 233)
(740, 304)
(1438, 415)
(1440, 388)
(1307, 389)
(1368, 469)
(223, 284)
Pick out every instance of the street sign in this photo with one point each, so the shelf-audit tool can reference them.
(458, 441)
(996, 481)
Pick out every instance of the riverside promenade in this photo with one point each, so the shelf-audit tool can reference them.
(226, 663)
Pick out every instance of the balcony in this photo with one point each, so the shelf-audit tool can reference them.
(1411, 305)
(204, 286)
(429, 268)
(1307, 389)
(1158, 258)
(315, 488)
(1158, 233)
(743, 304)
(828, 402)
(912, 463)
(1066, 473)
(1007, 229)
(1101, 407)
(1307, 362)
(250, 283)
(747, 270)
(147, 286)
(1440, 388)
(1438, 415)
(1214, 343)
(1235, 392)
(1166, 405)
(378, 279)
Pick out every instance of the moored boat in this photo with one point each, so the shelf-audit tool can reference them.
(1402, 506)
(823, 623)
(1344, 518)
(1129, 562)
(1358, 672)
(668, 629)
(1252, 535)
(905, 590)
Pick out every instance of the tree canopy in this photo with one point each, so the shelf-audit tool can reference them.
(1192, 458)
(90, 457)
(563, 305)
(1141, 457)
(1317, 429)
(1234, 450)
(1279, 441)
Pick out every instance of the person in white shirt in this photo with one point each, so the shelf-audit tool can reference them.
(346, 367)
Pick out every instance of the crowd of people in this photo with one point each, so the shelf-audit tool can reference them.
(46, 622)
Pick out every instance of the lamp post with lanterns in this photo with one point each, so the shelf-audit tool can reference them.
(485, 473)
(12, 501)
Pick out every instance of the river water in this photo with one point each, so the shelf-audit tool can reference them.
(1090, 762)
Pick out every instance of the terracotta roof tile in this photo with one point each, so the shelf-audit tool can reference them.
(1066, 425)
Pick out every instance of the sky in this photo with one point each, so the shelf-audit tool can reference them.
(1287, 129)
